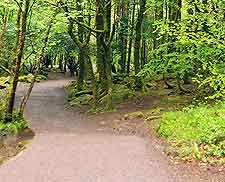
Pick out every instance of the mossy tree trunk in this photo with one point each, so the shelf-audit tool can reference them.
(100, 39)
(81, 40)
(104, 48)
(130, 45)
(81, 57)
(3, 34)
(39, 61)
(123, 32)
(20, 52)
(137, 46)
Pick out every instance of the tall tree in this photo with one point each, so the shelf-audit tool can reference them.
(19, 56)
(39, 61)
(123, 31)
(104, 48)
(138, 37)
(130, 45)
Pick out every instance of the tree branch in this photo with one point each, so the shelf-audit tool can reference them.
(5, 69)
(19, 5)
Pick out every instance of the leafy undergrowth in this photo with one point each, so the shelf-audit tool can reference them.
(28, 78)
(13, 136)
(25, 79)
(19, 124)
(196, 132)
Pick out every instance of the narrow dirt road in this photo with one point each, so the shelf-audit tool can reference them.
(68, 147)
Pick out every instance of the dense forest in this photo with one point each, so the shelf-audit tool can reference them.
(130, 43)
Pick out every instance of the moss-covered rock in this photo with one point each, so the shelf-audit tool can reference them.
(82, 100)
(28, 78)
(133, 115)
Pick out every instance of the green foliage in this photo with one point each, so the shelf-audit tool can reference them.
(192, 48)
(2, 105)
(213, 85)
(28, 78)
(4, 80)
(194, 129)
(18, 124)
(14, 127)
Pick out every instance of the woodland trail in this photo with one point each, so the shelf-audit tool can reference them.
(68, 147)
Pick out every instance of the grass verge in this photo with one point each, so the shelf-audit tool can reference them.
(196, 132)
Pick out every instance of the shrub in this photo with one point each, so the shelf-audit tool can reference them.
(18, 124)
(15, 127)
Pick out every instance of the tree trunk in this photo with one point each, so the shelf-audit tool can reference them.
(60, 58)
(81, 57)
(11, 100)
(5, 18)
(138, 81)
(131, 38)
(143, 54)
(93, 81)
(100, 39)
(38, 65)
(108, 53)
(123, 37)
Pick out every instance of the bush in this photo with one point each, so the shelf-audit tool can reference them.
(18, 124)
(199, 130)
(14, 127)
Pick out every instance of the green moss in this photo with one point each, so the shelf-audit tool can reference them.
(119, 94)
(28, 78)
(41, 77)
(82, 100)
(71, 91)
(133, 115)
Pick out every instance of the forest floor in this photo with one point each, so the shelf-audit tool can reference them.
(12, 145)
(71, 145)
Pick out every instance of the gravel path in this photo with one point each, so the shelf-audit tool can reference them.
(68, 147)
